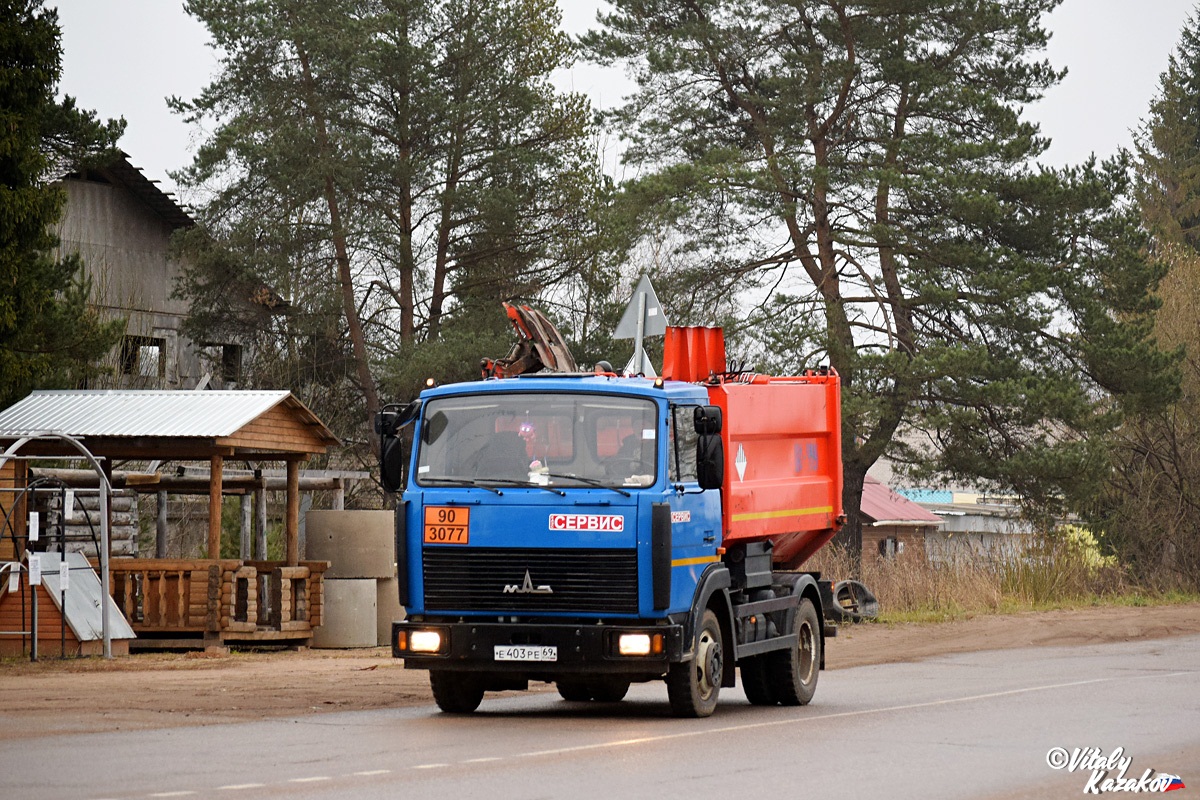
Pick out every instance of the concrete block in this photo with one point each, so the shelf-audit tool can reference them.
(357, 544)
(387, 601)
(350, 616)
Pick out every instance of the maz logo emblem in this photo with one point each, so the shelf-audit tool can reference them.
(527, 587)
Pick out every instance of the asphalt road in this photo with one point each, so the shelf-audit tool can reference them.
(971, 725)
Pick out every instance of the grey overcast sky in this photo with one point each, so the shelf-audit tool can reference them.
(124, 57)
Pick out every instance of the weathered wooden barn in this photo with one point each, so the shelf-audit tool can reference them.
(120, 223)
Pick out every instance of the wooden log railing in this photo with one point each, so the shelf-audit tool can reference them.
(227, 598)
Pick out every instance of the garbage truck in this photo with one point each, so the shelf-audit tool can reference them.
(593, 530)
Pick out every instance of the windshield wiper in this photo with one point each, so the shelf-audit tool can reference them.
(458, 482)
(524, 484)
(588, 481)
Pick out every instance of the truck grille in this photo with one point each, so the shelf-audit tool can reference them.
(583, 581)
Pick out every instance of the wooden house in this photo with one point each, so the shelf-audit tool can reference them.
(892, 523)
(12, 508)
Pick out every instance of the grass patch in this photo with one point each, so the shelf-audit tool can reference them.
(1059, 572)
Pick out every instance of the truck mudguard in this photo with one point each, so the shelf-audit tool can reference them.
(714, 581)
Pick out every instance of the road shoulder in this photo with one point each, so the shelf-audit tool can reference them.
(166, 690)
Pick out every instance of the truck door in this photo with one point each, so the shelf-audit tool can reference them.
(695, 514)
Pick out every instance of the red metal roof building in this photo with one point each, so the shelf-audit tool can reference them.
(892, 522)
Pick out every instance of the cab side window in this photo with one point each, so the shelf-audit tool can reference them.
(682, 445)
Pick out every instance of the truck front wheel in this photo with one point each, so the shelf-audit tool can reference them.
(793, 672)
(456, 692)
(612, 690)
(693, 686)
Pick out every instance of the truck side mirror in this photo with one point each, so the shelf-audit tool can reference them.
(409, 414)
(707, 419)
(391, 463)
(388, 424)
(392, 418)
(710, 452)
(710, 461)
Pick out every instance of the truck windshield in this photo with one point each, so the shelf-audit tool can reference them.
(538, 439)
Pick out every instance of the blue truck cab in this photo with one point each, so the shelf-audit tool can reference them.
(552, 528)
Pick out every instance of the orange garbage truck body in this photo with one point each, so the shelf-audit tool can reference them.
(782, 440)
(783, 476)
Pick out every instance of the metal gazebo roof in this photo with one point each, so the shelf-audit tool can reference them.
(131, 419)
(178, 425)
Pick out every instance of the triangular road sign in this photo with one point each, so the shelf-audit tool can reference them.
(654, 320)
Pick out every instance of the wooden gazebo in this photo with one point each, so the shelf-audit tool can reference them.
(214, 600)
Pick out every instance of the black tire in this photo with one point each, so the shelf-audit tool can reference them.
(693, 686)
(602, 690)
(755, 682)
(853, 602)
(793, 673)
(456, 692)
(574, 691)
(610, 690)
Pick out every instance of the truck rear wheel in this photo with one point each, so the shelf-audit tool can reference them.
(456, 692)
(574, 691)
(602, 690)
(693, 686)
(756, 682)
(792, 673)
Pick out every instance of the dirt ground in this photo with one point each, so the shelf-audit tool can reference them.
(164, 690)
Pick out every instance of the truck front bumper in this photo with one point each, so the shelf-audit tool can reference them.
(575, 648)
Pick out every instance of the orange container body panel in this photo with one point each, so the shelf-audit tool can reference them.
(783, 462)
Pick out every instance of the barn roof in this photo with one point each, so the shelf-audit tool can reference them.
(119, 421)
(884, 506)
(122, 172)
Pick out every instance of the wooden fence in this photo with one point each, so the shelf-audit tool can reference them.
(173, 602)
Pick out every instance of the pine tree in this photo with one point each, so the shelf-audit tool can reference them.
(48, 335)
(1152, 503)
(866, 171)
(409, 157)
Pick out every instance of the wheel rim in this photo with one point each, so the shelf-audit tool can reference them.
(806, 663)
(708, 664)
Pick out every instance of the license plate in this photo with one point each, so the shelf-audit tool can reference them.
(517, 652)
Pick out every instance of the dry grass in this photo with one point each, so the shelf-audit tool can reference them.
(1054, 573)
